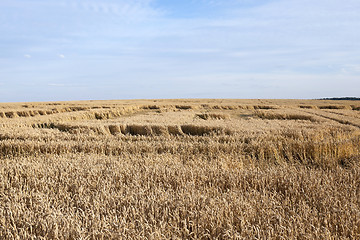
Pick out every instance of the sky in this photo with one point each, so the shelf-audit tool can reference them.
(151, 49)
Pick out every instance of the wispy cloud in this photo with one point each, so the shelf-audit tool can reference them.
(130, 9)
(351, 69)
(221, 48)
(57, 85)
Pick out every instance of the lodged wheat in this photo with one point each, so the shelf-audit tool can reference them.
(180, 169)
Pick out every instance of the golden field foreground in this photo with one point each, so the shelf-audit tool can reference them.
(180, 169)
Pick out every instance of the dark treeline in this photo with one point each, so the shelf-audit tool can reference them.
(342, 98)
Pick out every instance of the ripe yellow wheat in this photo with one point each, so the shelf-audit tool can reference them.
(180, 169)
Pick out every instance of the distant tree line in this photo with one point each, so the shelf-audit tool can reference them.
(341, 98)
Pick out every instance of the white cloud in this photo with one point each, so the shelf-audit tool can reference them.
(56, 85)
(277, 45)
(351, 69)
(130, 9)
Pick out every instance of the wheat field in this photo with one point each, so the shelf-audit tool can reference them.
(180, 169)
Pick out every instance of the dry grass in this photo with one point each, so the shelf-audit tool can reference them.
(164, 169)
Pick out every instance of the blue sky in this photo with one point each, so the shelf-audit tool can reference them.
(124, 49)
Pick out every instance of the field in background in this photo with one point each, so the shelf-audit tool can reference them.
(180, 169)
